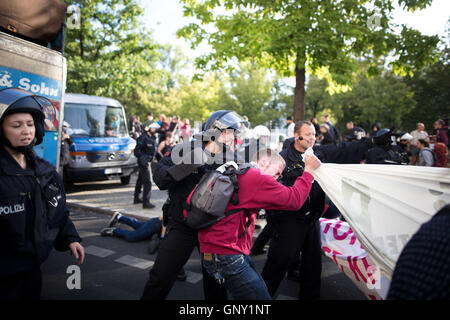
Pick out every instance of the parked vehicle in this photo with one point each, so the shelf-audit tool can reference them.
(31, 58)
(102, 147)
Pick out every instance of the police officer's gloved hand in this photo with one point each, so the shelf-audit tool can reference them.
(144, 160)
(383, 139)
(189, 163)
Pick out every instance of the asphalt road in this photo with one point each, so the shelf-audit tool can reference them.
(117, 270)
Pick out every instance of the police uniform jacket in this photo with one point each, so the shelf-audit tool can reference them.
(346, 152)
(314, 204)
(145, 149)
(179, 190)
(33, 214)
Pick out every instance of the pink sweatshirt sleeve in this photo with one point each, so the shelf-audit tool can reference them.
(271, 194)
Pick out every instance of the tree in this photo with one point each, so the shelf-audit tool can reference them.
(431, 91)
(199, 98)
(317, 97)
(384, 98)
(247, 90)
(110, 55)
(297, 36)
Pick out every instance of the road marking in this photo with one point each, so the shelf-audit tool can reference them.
(135, 262)
(87, 234)
(97, 251)
(193, 277)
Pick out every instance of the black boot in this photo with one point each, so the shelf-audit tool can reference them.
(148, 205)
(181, 276)
(137, 200)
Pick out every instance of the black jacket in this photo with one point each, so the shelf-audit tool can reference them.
(347, 152)
(179, 190)
(33, 214)
(145, 149)
(344, 153)
(314, 204)
(384, 155)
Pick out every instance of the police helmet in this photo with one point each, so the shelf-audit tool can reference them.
(219, 121)
(406, 136)
(149, 127)
(261, 131)
(381, 132)
(14, 100)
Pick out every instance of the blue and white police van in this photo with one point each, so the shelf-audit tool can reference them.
(102, 147)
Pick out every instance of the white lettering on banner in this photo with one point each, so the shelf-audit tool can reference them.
(16, 208)
(41, 88)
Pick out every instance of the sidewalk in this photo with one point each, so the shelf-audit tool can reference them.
(109, 196)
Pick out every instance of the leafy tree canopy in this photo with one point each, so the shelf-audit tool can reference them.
(298, 36)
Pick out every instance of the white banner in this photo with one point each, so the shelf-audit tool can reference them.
(385, 204)
(342, 246)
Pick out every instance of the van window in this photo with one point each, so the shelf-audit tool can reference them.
(88, 120)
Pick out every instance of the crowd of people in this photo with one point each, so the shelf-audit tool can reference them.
(180, 129)
(34, 217)
(417, 148)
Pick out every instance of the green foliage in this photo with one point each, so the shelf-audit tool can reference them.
(311, 35)
(249, 93)
(110, 55)
(431, 91)
(387, 98)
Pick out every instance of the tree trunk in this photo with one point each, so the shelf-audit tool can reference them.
(299, 94)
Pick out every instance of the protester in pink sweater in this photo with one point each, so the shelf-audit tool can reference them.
(225, 246)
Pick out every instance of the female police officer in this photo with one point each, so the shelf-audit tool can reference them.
(33, 213)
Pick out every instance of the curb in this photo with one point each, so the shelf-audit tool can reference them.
(77, 206)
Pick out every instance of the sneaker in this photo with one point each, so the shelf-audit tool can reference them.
(115, 218)
(137, 200)
(181, 276)
(107, 232)
(148, 205)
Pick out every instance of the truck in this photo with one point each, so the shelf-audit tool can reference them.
(32, 39)
(32, 58)
(102, 147)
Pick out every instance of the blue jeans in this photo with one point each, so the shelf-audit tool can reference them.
(239, 276)
(142, 230)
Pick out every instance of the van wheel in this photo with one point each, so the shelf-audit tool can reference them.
(125, 180)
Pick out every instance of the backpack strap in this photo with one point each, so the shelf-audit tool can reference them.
(232, 172)
(249, 222)
(247, 214)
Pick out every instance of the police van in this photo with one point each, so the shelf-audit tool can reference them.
(102, 147)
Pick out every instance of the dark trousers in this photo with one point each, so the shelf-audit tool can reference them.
(173, 253)
(143, 179)
(22, 286)
(290, 238)
(263, 238)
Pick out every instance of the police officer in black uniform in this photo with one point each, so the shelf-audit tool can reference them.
(209, 149)
(299, 232)
(33, 213)
(384, 152)
(145, 151)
